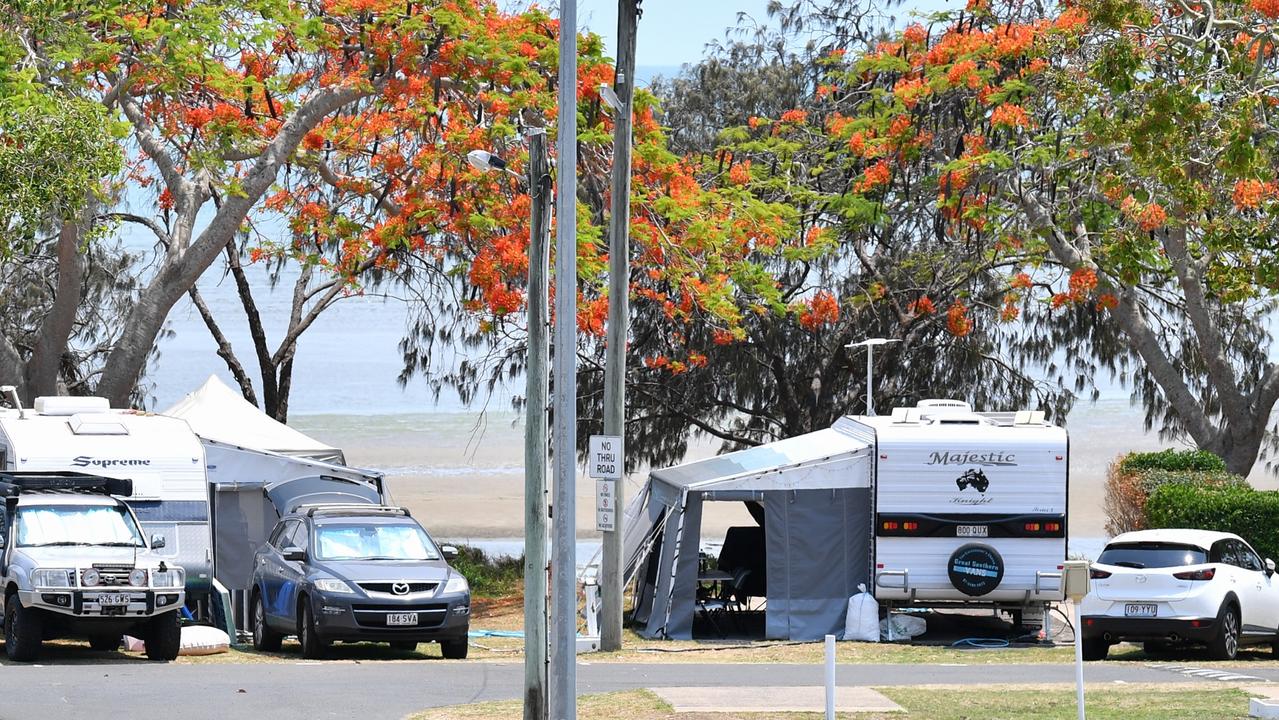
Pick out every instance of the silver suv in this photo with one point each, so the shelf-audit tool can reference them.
(75, 563)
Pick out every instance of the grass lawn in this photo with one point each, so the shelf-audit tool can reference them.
(975, 703)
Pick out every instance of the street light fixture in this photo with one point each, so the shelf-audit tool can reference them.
(610, 99)
(870, 344)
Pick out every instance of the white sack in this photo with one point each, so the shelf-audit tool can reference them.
(203, 640)
(862, 622)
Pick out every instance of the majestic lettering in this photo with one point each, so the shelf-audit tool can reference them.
(972, 458)
(86, 461)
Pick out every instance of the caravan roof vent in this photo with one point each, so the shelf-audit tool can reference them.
(62, 405)
(1029, 417)
(97, 424)
(957, 418)
(936, 405)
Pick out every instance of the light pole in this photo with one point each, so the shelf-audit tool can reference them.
(535, 396)
(618, 98)
(870, 344)
(563, 670)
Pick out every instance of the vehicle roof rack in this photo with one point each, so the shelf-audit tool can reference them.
(16, 482)
(350, 509)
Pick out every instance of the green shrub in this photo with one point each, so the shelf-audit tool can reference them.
(1133, 477)
(1251, 514)
(1172, 460)
(490, 577)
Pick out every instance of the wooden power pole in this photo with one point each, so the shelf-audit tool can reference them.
(535, 442)
(619, 288)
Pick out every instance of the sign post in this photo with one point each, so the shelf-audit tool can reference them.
(605, 463)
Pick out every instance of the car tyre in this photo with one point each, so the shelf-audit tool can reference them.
(1095, 649)
(313, 647)
(164, 637)
(1225, 645)
(454, 649)
(23, 631)
(105, 643)
(404, 645)
(264, 638)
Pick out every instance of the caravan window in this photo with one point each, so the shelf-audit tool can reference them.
(76, 525)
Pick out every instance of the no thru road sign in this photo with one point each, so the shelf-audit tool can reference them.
(606, 460)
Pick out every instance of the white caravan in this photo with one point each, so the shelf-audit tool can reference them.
(969, 507)
(163, 458)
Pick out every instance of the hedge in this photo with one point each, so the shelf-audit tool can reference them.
(1251, 514)
(1173, 461)
(1133, 477)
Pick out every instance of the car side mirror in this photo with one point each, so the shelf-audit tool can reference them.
(450, 552)
(1270, 567)
(157, 541)
(294, 554)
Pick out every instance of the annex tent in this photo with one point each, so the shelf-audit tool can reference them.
(815, 495)
(250, 489)
(216, 412)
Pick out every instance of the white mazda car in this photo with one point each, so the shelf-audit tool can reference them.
(1180, 587)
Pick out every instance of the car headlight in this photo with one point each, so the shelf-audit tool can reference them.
(333, 585)
(45, 577)
(456, 584)
(171, 578)
(138, 577)
(91, 577)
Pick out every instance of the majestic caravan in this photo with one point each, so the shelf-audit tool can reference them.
(160, 455)
(969, 507)
(933, 506)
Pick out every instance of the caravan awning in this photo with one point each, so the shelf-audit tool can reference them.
(810, 461)
(216, 412)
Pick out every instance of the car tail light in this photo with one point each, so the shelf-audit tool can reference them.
(1096, 574)
(1052, 527)
(911, 526)
(1204, 574)
(1032, 527)
(891, 525)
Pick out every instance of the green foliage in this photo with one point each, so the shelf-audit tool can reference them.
(55, 154)
(490, 577)
(1248, 513)
(1136, 476)
(1173, 461)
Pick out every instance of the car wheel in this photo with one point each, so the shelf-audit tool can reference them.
(1225, 646)
(264, 638)
(164, 637)
(312, 646)
(404, 645)
(1095, 649)
(104, 643)
(23, 631)
(454, 649)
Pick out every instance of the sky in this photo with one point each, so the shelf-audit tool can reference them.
(675, 32)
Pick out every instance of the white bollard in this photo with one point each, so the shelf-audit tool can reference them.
(830, 677)
(1079, 663)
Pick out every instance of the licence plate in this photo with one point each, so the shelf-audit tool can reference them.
(401, 619)
(971, 531)
(113, 600)
(1140, 609)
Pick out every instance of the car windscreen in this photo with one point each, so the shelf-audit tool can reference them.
(47, 525)
(373, 541)
(1152, 555)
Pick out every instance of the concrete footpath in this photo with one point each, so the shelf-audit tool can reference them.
(389, 690)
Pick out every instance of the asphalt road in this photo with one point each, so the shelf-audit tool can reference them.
(391, 690)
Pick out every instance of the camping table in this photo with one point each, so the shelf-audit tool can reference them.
(716, 605)
(714, 578)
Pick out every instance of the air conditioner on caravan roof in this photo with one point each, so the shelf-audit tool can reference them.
(62, 405)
